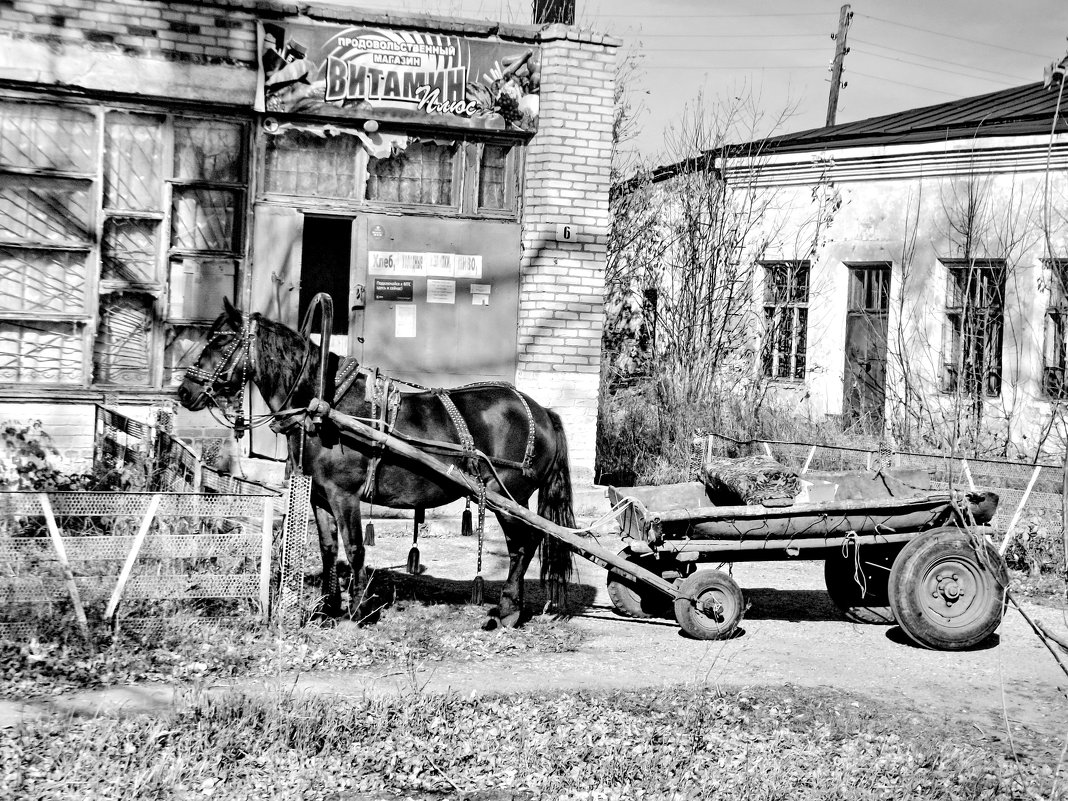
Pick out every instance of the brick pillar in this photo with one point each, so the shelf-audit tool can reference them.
(561, 295)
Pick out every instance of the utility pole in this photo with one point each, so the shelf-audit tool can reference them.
(840, 50)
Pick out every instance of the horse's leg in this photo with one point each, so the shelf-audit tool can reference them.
(362, 606)
(522, 545)
(331, 598)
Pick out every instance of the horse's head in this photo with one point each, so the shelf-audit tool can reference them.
(224, 365)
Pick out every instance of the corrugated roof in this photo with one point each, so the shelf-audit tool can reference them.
(1021, 111)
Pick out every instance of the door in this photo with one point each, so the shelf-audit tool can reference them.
(441, 298)
(865, 345)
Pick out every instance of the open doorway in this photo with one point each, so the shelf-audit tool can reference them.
(324, 267)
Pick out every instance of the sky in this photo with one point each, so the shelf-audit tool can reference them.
(777, 53)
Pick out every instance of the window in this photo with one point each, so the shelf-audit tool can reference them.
(302, 163)
(1055, 352)
(114, 226)
(420, 174)
(975, 310)
(785, 319)
(493, 178)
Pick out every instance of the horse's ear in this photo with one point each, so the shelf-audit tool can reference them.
(233, 314)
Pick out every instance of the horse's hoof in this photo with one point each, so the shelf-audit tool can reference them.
(510, 621)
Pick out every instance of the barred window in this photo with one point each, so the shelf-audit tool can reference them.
(785, 344)
(972, 336)
(97, 207)
(1055, 346)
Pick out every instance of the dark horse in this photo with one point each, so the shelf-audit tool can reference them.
(524, 441)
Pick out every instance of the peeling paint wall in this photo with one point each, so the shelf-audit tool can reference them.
(906, 206)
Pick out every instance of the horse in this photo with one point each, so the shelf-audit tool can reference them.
(524, 445)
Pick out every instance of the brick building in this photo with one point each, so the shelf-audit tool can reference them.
(445, 181)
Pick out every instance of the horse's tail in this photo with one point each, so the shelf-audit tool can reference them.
(556, 504)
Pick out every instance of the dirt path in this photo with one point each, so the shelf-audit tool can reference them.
(791, 635)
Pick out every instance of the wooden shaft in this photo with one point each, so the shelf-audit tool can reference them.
(497, 502)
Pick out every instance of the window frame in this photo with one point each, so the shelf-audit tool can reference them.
(1055, 334)
(954, 334)
(769, 355)
(103, 214)
(466, 177)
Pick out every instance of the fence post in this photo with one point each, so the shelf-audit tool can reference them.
(64, 566)
(1019, 511)
(767, 450)
(294, 543)
(808, 460)
(265, 557)
(131, 557)
(968, 474)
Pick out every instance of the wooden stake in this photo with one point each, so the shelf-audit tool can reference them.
(767, 450)
(64, 566)
(1064, 516)
(267, 541)
(808, 461)
(968, 474)
(131, 557)
(1019, 511)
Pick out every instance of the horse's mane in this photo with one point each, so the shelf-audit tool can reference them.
(282, 358)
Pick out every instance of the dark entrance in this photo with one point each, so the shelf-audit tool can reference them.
(865, 345)
(324, 266)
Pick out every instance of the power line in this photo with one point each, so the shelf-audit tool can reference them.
(947, 35)
(902, 83)
(654, 15)
(725, 35)
(943, 69)
(732, 50)
(940, 60)
(746, 67)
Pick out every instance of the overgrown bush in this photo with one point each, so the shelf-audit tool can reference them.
(30, 461)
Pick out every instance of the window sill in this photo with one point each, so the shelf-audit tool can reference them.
(75, 395)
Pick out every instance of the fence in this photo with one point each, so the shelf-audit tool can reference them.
(156, 458)
(1030, 495)
(150, 551)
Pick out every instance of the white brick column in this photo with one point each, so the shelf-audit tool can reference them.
(561, 295)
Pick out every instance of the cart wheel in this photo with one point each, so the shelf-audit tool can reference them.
(632, 598)
(717, 607)
(870, 603)
(946, 594)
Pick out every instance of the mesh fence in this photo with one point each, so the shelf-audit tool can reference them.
(188, 553)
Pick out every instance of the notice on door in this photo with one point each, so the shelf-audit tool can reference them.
(394, 289)
(439, 291)
(404, 324)
(442, 265)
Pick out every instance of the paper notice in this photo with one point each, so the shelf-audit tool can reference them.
(404, 327)
(440, 291)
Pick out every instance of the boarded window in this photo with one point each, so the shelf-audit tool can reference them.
(785, 345)
(972, 337)
(421, 174)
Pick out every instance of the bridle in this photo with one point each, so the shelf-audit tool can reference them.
(232, 368)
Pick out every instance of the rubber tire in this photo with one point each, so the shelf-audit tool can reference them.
(921, 599)
(710, 585)
(633, 599)
(858, 606)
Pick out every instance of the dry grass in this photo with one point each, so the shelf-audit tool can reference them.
(682, 742)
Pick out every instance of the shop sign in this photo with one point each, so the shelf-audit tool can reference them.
(391, 75)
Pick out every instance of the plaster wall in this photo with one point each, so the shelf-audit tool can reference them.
(912, 218)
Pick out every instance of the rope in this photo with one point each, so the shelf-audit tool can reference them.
(858, 571)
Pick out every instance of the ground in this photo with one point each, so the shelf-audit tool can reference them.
(1011, 688)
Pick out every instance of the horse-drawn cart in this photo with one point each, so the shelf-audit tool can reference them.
(922, 559)
(918, 558)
